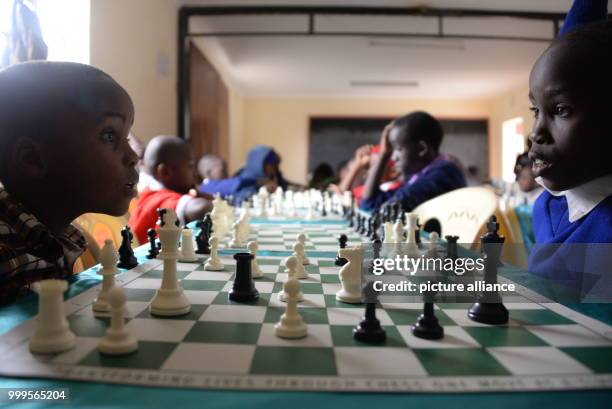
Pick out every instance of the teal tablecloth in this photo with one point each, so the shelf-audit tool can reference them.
(85, 395)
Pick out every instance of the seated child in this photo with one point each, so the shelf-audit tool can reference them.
(525, 180)
(169, 161)
(261, 169)
(212, 167)
(570, 148)
(413, 140)
(64, 152)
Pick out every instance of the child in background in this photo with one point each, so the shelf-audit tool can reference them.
(261, 169)
(525, 180)
(169, 161)
(413, 140)
(64, 152)
(212, 167)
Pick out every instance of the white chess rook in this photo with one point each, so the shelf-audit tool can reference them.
(118, 340)
(52, 332)
(187, 251)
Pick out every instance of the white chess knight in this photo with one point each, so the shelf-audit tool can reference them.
(118, 340)
(350, 275)
(298, 253)
(291, 263)
(214, 263)
(301, 238)
(255, 270)
(169, 299)
(291, 324)
(187, 251)
(108, 259)
(52, 333)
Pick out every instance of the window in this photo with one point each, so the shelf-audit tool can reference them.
(64, 25)
(513, 144)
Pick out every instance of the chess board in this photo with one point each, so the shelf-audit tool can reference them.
(225, 345)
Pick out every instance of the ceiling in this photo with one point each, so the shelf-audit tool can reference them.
(376, 67)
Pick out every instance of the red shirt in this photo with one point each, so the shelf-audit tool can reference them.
(145, 215)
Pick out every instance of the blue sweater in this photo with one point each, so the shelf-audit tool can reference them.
(565, 252)
(583, 12)
(440, 177)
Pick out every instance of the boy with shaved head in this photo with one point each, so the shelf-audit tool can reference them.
(168, 159)
(63, 152)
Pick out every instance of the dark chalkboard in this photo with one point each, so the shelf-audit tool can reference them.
(334, 140)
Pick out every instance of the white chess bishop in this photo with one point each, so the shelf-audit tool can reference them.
(118, 340)
(350, 275)
(108, 259)
(169, 300)
(52, 333)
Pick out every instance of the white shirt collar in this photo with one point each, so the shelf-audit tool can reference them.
(582, 199)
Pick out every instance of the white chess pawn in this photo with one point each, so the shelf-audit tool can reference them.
(118, 340)
(255, 270)
(52, 332)
(388, 231)
(298, 252)
(302, 239)
(187, 251)
(350, 275)
(213, 263)
(433, 245)
(108, 259)
(291, 324)
(291, 264)
(236, 233)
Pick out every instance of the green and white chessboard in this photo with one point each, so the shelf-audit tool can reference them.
(225, 345)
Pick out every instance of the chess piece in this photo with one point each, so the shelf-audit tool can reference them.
(433, 245)
(452, 250)
(369, 329)
(291, 324)
(298, 252)
(108, 259)
(376, 248)
(187, 252)
(236, 234)
(153, 251)
(127, 259)
(350, 276)
(243, 289)
(342, 240)
(488, 308)
(202, 238)
(52, 333)
(255, 270)
(214, 263)
(118, 340)
(388, 232)
(302, 239)
(427, 325)
(291, 264)
(169, 299)
(411, 249)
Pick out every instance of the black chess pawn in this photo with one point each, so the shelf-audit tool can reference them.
(369, 227)
(342, 240)
(127, 259)
(202, 246)
(427, 325)
(349, 217)
(369, 329)
(153, 251)
(488, 308)
(451, 247)
(376, 248)
(243, 289)
(364, 225)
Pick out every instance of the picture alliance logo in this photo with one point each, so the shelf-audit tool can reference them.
(412, 265)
